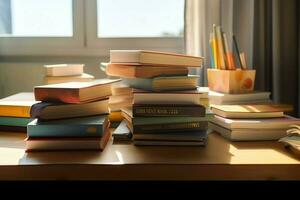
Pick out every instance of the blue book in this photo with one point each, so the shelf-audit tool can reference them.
(164, 83)
(77, 127)
(14, 121)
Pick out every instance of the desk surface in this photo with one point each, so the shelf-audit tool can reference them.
(220, 159)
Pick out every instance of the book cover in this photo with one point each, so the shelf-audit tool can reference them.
(74, 92)
(131, 71)
(51, 111)
(17, 105)
(78, 127)
(171, 110)
(64, 69)
(64, 79)
(166, 83)
(143, 57)
(14, 121)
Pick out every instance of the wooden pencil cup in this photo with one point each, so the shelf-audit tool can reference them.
(231, 81)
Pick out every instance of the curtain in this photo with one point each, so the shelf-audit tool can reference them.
(268, 31)
(276, 48)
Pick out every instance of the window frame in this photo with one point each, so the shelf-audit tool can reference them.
(84, 41)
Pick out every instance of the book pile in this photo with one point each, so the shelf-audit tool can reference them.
(62, 73)
(252, 122)
(15, 112)
(70, 116)
(166, 106)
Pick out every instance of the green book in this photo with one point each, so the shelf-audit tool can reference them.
(77, 127)
(14, 121)
(164, 83)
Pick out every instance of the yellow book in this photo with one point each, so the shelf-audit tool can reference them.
(17, 105)
(115, 116)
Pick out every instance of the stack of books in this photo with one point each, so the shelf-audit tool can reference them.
(62, 73)
(15, 111)
(252, 122)
(70, 116)
(166, 106)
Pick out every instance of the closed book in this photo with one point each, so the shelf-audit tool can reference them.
(51, 111)
(164, 83)
(251, 111)
(121, 89)
(17, 105)
(64, 69)
(131, 71)
(64, 79)
(268, 123)
(74, 92)
(127, 114)
(168, 143)
(248, 134)
(222, 98)
(171, 110)
(78, 127)
(173, 136)
(122, 132)
(142, 57)
(68, 143)
(14, 121)
(171, 97)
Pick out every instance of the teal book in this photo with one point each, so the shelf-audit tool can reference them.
(14, 121)
(77, 127)
(164, 83)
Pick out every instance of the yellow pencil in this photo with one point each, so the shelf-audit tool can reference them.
(215, 47)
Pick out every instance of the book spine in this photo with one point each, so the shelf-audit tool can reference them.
(64, 131)
(57, 95)
(149, 111)
(191, 126)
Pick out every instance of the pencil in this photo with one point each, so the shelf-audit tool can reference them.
(212, 59)
(237, 51)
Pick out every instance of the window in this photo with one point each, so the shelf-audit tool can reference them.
(89, 27)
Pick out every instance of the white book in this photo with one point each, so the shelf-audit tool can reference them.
(248, 134)
(269, 123)
(64, 69)
(222, 98)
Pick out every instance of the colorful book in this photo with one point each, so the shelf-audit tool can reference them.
(251, 111)
(170, 97)
(64, 69)
(167, 83)
(171, 110)
(51, 111)
(131, 71)
(64, 79)
(14, 121)
(142, 57)
(17, 105)
(78, 127)
(74, 92)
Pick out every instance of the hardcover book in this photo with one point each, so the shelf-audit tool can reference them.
(51, 111)
(166, 83)
(14, 121)
(131, 71)
(64, 69)
(142, 57)
(17, 105)
(78, 127)
(74, 92)
(64, 79)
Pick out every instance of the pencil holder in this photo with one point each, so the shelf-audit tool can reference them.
(231, 81)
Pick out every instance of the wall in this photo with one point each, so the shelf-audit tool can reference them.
(21, 74)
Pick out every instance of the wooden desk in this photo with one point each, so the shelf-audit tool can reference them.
(220, 160)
